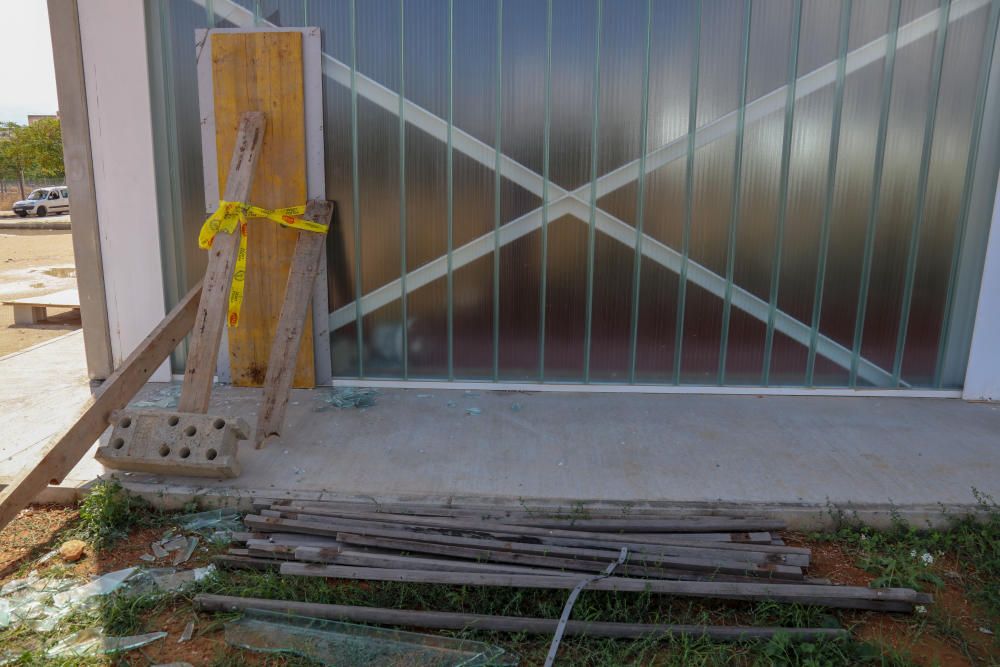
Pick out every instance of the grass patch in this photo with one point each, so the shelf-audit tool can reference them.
(906, 555)
(108, 513)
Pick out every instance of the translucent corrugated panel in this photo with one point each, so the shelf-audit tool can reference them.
(714, 192)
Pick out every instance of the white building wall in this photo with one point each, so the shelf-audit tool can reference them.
(982, 379)
(113, 37)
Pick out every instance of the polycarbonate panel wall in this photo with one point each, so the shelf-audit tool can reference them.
(769, 192)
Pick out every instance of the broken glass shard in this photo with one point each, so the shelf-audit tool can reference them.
(93, 641)
(351, 645)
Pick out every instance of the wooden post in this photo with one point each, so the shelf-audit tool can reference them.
(294, 312)
(211, 320)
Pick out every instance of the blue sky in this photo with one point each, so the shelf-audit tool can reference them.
(27, 79)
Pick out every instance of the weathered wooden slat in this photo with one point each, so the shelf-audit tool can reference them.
(492, 510)
(330, 526)
(61, 456)
(634, 567)
(293, 318)
(657, 525)
(600, 555)
(493, 527)
(737, 541)
(239, 559)
(385, 560)
(211, 319)
(846, 597)
(462, 621)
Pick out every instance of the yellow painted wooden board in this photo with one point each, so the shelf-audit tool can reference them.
(262, 71)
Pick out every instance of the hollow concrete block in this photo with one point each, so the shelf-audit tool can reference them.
(173, 443)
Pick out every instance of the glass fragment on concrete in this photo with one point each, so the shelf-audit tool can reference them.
(164, 398)
(351, 397)
(351, 645)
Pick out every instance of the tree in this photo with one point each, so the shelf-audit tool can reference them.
(31, 151)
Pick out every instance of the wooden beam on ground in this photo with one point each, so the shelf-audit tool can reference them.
(363, 559)
(479, 525)
(656, 525)
(727, 540)
(288, 336)
(844, 597)
(634, 567)
(204, 349)
(331, 526)
(115, 393)
(461, 621)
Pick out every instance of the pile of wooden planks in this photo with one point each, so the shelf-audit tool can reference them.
(732, 558)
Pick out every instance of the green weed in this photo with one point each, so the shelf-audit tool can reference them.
(905, 555)
(108, 513)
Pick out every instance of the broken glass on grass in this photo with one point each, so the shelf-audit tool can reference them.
(216, 525)
(166, 579)
(352, 645)
(93, 641)
(40, 603)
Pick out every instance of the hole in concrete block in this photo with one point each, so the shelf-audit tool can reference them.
(190, 431)
(125, 422)
(219, 423)
(211, 454)
(164, 450)
(172, 421)
(117, 443)
(184, 453)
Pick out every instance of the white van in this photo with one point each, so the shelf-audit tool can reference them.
(44, 201)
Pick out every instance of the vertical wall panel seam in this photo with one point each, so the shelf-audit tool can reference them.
(688, 195)
(355, 190)
(831, 181)
(926, 150)
(873, 214)
(496, 193)
(786, 157)
(542, 298)
(450, 176)
(595, 123)
(734, 214)
(640, 196)
(404, 300)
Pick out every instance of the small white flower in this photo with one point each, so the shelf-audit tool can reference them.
(913, 553)
(927, 559)
(863, 536)
(920, 609)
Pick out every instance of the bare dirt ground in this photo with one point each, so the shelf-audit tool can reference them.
(35, 263)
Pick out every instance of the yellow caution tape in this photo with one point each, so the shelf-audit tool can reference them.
(226, 218)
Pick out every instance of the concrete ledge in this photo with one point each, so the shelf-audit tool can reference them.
(798, 516)
(70, 492)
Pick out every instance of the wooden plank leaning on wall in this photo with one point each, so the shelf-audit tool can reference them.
(264, 70)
